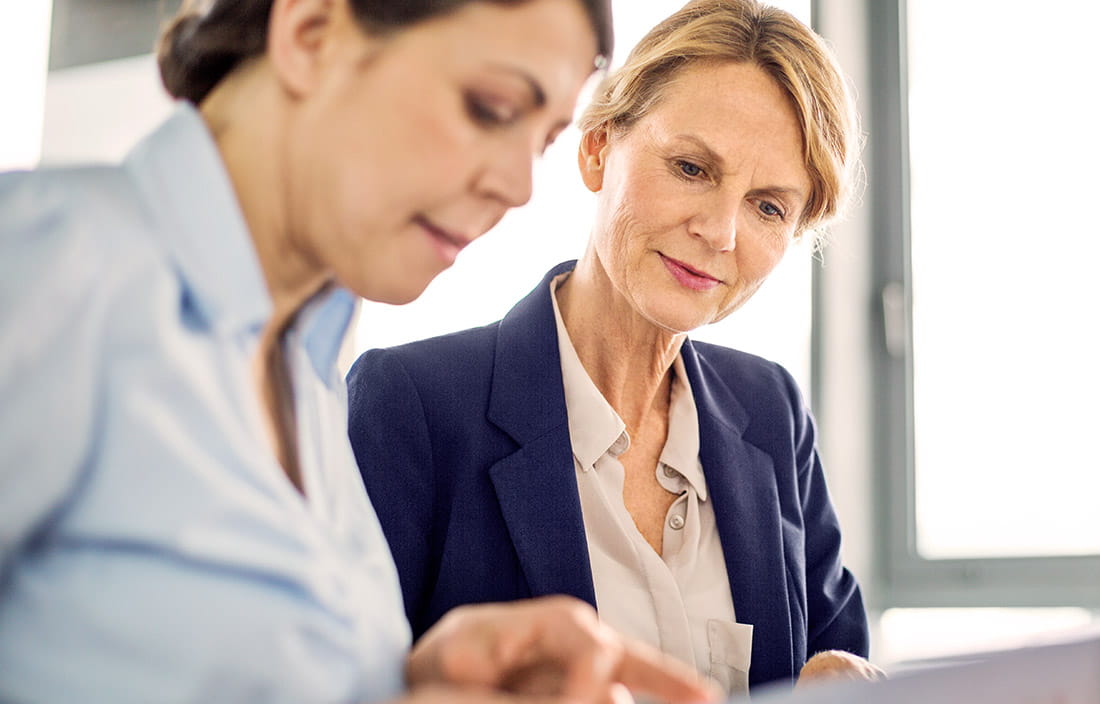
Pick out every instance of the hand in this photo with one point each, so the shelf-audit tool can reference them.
(838, 665)
(551, 646)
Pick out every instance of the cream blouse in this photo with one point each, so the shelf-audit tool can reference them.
(679, 602)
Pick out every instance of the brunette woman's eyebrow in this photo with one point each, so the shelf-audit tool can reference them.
(538, 95)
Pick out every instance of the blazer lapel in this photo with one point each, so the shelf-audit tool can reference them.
(536, 485)
(740, 478)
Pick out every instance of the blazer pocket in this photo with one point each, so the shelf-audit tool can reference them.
(730, 654)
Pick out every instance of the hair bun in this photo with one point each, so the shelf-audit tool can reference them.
(173, 55)
(198, 49)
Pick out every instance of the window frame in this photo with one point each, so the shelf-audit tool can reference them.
(904, 578)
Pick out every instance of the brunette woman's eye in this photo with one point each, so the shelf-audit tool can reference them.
(488, 113)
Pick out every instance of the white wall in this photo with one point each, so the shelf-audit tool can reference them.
(24, 59)
(99, 111)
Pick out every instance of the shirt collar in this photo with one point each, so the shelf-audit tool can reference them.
(594, 426)
(323, 323)
(181, 175)
(681, 451)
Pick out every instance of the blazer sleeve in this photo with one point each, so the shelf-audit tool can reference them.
(389, 434)
(836, 616)
(52, 306)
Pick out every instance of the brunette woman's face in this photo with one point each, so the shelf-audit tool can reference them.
(415, 144)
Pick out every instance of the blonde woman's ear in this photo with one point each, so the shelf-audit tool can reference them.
(590, 158)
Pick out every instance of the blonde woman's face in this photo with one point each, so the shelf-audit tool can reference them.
(699, 201)
(419, 143)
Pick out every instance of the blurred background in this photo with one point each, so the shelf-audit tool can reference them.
(946, 339)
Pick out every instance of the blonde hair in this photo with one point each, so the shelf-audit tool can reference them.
(747, 31)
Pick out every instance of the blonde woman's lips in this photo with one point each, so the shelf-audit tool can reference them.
(688, 276)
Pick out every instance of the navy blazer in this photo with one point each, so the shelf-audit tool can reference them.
(463, 444)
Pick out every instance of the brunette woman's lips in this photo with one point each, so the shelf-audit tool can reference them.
(689, 276)
(447, 244)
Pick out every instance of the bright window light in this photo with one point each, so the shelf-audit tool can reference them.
(1004, 152)
(908, 637)
(24, 61)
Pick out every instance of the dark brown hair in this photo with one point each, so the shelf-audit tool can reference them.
(209, 38)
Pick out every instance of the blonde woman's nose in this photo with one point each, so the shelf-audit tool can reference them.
(717, 225)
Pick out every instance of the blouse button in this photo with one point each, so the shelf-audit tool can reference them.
(676, 522)
(670, 472)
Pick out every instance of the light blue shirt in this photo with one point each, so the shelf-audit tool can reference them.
(151, 547)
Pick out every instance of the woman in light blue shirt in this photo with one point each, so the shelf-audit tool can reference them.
(180, 514)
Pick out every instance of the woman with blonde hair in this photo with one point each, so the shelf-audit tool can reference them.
(584, 444)
(180, 515)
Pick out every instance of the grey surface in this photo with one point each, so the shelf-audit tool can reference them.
(90, 31)
(1067, 672)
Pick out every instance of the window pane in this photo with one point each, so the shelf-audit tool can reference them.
(501, 267)
(1004, 152)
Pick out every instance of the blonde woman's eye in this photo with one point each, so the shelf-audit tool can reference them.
(689, 169)
(770, 210)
